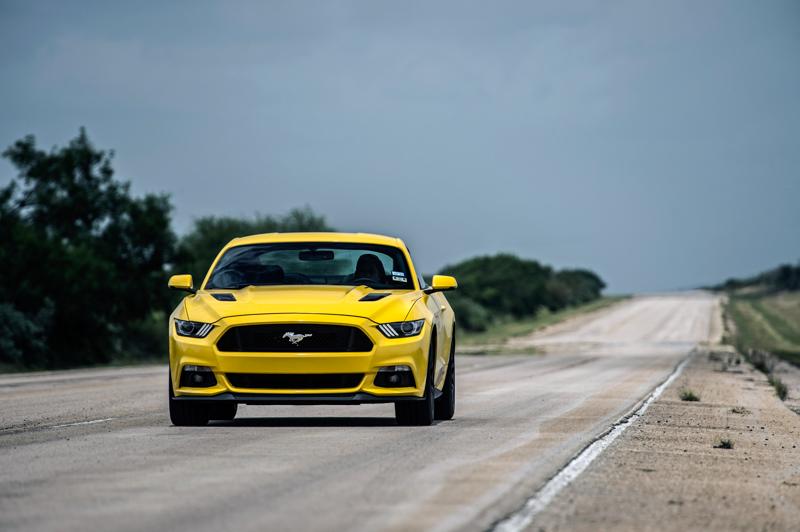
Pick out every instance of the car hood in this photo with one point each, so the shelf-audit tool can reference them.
(325, 299)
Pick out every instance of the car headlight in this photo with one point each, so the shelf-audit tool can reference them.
(401, 329)
(193, 329)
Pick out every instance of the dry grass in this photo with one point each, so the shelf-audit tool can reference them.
(725, 443)
(689, 395)
(780, 388)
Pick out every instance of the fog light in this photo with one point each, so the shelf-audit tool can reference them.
(197, 377)
(395, 377)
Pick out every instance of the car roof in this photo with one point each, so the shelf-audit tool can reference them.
(358, 238)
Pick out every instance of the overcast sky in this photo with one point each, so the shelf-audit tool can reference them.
(657, 143)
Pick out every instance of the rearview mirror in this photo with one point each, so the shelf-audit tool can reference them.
(315, 255)
(442, 283)
(182, 282)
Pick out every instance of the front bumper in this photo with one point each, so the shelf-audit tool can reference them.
(411, 352)
(299, 399)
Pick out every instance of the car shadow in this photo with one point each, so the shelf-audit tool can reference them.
(307, 422)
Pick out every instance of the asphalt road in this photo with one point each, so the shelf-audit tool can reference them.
(94, 448)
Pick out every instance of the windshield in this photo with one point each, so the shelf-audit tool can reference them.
(311, 263)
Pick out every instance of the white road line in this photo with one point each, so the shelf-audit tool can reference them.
(523, 517)
(92, 422)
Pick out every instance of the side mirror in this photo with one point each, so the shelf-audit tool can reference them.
(442, 283)
(182, 282)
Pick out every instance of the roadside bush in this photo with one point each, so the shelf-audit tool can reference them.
(763, 361)
(144, 339)
(470, 316)
(503, 285)
(784, 277)
(568, 288)
(23, 338)
(780, 387)
(689, 395)
(724, 443)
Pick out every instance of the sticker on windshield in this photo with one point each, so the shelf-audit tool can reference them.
(400, 277)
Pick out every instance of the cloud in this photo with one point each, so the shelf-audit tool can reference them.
(621, 136)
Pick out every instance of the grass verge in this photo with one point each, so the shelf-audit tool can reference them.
(504, 329)
(768, 322)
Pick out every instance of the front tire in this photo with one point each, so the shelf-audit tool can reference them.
(187, 413)
(420, 413)
(445, 405)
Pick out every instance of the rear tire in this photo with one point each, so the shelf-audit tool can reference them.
(420, 413)
(445, 405)
(187, 413)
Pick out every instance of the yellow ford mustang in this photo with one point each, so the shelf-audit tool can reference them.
(312, 318)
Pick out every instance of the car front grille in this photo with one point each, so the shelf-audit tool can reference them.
(295, 381)
(288, 338)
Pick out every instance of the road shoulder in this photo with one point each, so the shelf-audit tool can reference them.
(667, 470)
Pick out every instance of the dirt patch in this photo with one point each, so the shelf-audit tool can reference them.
(730, 461)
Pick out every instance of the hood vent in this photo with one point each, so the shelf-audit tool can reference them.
(223, 297)
(375, 296)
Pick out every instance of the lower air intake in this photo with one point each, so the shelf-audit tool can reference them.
(295, 381)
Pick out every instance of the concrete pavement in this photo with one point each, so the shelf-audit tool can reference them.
(94, 448)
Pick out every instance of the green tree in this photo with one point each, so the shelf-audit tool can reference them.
(198, 248)
(784, 277)
(83, 259)
(491, 287)
(568, 288)
(503, 283)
